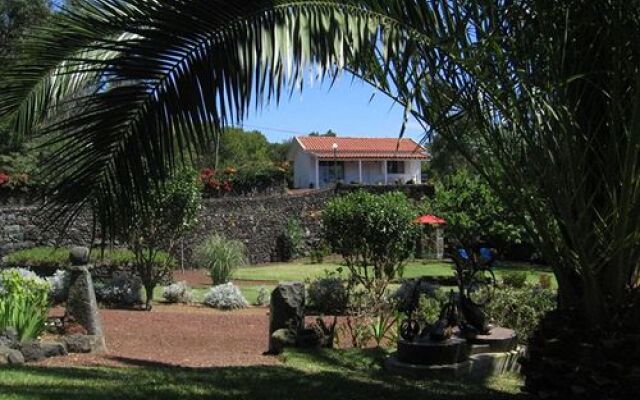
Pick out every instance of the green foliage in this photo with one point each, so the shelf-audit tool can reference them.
(520, 308)
(514, 279)
(290, 240)
(373, 233)
(50, 259)
(545, 281)
(328, 295)
(24, 302)
(172, 213)
(472, 211)
(220, 256)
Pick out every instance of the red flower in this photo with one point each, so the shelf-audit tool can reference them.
(4, 179)
(206, 174)
(227, 186)
(214, 184)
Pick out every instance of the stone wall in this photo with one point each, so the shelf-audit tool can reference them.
(23, 225)
(257, 221)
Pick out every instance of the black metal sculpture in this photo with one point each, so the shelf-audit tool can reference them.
(476, 284)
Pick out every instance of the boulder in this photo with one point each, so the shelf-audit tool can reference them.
(286, 311)
(53, 349)
(9, 338)
(84, 344)
(281, 339)
(32, 351)
(10, 356)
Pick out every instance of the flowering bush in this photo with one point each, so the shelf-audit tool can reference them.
(225, 297)
(177, 293)
(259, 178)
(24, 302)
(217, 183)
(4, 179)
(122, 290)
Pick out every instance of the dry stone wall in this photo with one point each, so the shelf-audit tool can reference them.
(257, 221)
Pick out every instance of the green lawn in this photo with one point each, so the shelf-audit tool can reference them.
(299, 271)
(324, 375)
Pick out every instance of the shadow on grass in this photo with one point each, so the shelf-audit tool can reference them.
(323, 375)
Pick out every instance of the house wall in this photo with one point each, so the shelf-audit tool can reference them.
(412, 171)
(304, 167)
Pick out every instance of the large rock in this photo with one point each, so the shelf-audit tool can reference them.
(286, 312)
(84, 344)
(53, 349)
(9, 338)
(82, 306)
(10, 356)
(32, 351)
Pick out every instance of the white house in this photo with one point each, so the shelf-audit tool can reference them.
(319, 161)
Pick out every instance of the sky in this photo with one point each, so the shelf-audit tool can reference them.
(347, 108)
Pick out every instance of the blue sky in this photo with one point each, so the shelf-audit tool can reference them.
(346, 108)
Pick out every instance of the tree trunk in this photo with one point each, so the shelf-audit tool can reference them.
(149, 296)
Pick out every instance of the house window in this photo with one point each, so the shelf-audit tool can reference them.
(331, 171)
(395, 167)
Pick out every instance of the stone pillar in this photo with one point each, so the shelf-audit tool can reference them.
(81, 303)
(286, 314)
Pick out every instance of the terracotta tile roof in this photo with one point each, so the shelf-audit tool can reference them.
(350, 147)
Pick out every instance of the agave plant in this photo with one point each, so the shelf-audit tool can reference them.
(548, 89)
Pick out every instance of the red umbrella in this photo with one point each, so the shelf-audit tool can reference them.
(430, 220)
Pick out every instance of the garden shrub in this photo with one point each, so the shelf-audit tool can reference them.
(328, 295)
(514, 279)
(24, 302)
(290, 240)
(263, 298)
(375, 235)
(59, 286)
(225, 297)
(403, 296)
(545, 281)
(221, 256)
(520, 309)
(45, 261)
(122, 290)
(178, 292)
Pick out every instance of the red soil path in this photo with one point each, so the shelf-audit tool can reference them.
(188, 336)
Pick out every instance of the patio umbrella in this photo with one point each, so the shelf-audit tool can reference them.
(430, 220)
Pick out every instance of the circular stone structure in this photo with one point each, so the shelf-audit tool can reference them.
(499, 340)
(430, 352)
(472, 358)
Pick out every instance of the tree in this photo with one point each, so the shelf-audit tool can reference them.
(551, 88)
(171, 214)
(374, 234)
(474, 214)
(17, 17)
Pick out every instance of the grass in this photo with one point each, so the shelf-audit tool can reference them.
(59, 257)
(299, 270)
(321, 375)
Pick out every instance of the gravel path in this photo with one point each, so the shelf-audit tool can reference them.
(188, 336)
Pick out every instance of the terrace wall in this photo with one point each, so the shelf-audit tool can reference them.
(257, 221)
